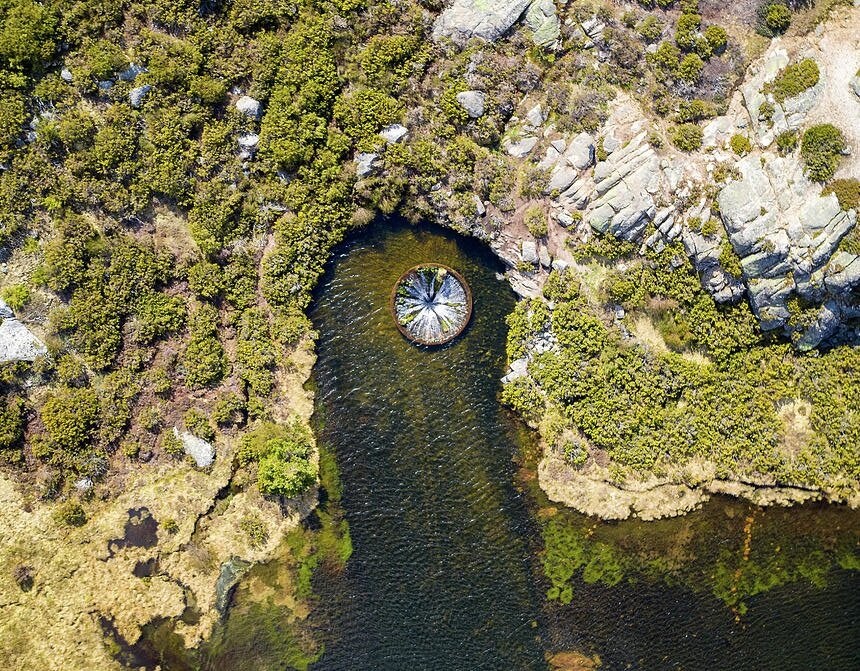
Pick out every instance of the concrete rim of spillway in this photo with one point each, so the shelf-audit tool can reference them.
(450, 335)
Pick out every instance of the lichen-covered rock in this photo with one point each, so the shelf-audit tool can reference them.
(484, 19)
(472, 102)
(541, 17)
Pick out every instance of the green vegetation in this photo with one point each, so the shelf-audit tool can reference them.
(535, 220)
(16, 296)
(283, 457)
(651, 410)
(820, 149)
(687, 137)
(740, 144)
(794, 79)
(847, 192)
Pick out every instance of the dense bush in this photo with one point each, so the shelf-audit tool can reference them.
(820, 148)
(71, 417)
(794, 79)
(687, 137)
(740, 144)
(283, 454)
(203, 362)
(847, 192)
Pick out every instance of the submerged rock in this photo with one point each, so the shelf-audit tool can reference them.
(231, 572)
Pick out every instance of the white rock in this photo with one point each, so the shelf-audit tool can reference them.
(535, 116)
(393, 133)
(131, 72)
(529, 252)
(17, 343)
(198, 449)
(249, 106)
(365, 163)
(522, 147)
(66, 75)
(472, 102)
(136, 95)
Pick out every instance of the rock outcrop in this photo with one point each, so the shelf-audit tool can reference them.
(786, 236)
(17, 343)
(484, 19)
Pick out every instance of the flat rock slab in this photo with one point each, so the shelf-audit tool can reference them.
(484, 19)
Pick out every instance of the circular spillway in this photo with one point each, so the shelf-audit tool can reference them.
(431, 304)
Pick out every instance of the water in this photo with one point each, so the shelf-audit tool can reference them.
(440, 577)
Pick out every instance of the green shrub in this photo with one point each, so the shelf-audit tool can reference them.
(777, 18)
(197, 423)
(12, 422)
(847, 192)
(204, 362)
(255, 530)
(650, 29)
(362, 114)
(71, 418)
(786, 141)
(255, 352)
(717, 38)
(820, 149)
(285, 468)
(667, 57)
(171, 445)
(12, 118)
(70, 514)
(794, 79)
(28, 35)
(16, 296)
(729, 260)
(206, 279)
(740, 144)
(158, 315)
(686, 29)
(690, 68)
(687, 137)
(535, 221)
